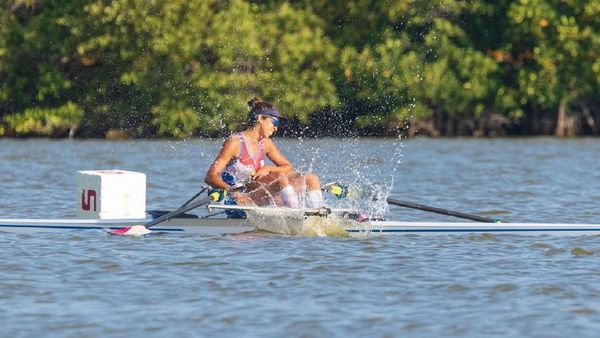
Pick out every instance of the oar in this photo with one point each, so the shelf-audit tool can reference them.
(341, 190)
(442, 211)
(143, 229)
(194, 197)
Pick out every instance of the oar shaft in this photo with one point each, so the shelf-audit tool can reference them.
(193, 198)
(179, 211)
(189, 207)
(440, 211)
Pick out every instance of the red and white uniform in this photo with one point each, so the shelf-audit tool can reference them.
(242, 168)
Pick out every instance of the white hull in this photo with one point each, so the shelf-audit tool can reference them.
(438, 228)
(206, 226)
(221, 226)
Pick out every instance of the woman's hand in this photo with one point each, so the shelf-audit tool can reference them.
(262, 172)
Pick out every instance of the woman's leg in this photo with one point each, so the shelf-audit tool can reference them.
(278, 189)
(314, 197)
(309, 187)
(273, 189)
(312, 182)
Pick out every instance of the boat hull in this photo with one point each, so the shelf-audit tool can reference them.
(448, 228)
(222, 226)
(217, 226)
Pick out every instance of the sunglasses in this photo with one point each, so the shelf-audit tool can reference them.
(274, 120)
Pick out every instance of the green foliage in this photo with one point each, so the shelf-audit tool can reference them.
(200, 61)
(548, 45)
(553, 49)
(403, 77)
(175, 68)
(34, 54)
(45, 121)
(175, 123)
(459, 79)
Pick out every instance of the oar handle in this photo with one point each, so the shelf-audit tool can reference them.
(337, 189)
(441, 211)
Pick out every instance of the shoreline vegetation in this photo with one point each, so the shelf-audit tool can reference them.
(185, 68)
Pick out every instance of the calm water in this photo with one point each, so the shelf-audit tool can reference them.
(90, 284)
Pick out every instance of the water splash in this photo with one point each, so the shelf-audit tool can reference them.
(368, 169)
(292, 222)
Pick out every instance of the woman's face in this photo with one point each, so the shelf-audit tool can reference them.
(268, 125)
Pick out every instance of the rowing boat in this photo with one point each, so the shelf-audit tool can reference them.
(114, 201)
(192, 224)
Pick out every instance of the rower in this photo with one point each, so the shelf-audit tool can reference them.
(242, 157)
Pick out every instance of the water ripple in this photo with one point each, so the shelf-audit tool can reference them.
(71, 284)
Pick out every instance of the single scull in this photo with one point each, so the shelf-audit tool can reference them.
(220, 226)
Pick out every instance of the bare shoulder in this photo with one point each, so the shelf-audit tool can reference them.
(231, 145)
(232, 140)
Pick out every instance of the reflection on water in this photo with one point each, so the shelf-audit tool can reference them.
(74, 284)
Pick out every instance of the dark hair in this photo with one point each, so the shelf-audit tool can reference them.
(256, 107)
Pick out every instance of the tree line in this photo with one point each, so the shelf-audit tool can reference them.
(182, 68)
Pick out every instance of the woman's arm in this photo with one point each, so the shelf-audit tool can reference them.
(282, 165)
(228, 152)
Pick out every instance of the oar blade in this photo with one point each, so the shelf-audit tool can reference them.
(136, 230)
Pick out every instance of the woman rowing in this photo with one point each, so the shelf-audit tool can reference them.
(241, 160)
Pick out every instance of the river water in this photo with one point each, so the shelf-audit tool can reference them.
(90, 284)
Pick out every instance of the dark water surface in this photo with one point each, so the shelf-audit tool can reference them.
(77, 284)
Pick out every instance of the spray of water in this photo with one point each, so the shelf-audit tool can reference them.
(292, 222)
(366, 166)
